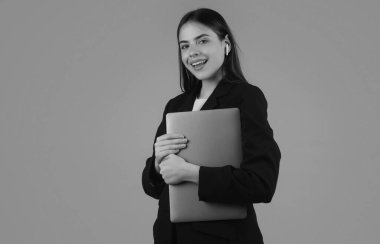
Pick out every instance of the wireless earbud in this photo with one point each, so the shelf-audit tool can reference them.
(227, 49)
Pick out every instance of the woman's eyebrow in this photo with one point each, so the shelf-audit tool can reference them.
(197, 37)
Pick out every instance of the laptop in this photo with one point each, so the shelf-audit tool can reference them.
(214, 140)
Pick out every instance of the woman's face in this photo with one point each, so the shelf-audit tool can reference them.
(202, 51)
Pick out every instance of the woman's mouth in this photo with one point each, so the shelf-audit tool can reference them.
(198, 64)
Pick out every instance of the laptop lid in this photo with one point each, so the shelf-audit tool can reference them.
(214, 140)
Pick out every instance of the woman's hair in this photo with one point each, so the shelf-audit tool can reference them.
(231, 69)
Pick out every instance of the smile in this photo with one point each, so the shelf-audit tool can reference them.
(198, 64)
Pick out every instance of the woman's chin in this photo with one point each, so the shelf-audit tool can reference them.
(201, 76)
(206, 74)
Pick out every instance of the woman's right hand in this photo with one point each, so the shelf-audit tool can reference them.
(168, 144)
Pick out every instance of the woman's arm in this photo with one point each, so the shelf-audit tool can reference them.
(255, 181)
(152, 182)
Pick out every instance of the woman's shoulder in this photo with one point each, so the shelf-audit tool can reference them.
(248, 90)
(178, 98)
(175, 101)
(248, 86)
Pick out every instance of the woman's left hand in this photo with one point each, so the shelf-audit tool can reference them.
(175, 169)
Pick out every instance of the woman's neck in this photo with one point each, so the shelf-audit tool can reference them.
(207, 88)
(208, 85)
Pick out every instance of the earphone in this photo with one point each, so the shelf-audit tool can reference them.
(227, 51)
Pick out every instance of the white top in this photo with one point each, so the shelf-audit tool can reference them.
(198, 103)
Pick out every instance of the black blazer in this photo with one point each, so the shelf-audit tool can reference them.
(254, 182)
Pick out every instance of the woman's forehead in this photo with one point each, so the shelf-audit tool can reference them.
(192, 30)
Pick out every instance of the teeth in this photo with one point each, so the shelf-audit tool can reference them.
(199, 62)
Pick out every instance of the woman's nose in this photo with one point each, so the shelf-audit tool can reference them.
(193, 52)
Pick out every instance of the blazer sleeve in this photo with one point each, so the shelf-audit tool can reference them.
(255, 181)
(152, 182)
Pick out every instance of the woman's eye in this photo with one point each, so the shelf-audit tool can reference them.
(183, 47)
(203, 41)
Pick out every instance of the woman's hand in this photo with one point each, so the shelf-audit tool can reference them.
(175, 169)
(168, 144)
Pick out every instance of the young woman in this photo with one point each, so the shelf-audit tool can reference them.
(211, 78)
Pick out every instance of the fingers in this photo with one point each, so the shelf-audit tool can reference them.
(168, 152)
(171, 141)
(168, 149)
(166, 172)
(169, 144)
(170, 136)
(172, 169)
(171, 147)
(163, 154)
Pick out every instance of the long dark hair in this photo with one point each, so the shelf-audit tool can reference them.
(231, 69)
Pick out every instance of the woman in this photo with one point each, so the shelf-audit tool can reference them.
(211, 78)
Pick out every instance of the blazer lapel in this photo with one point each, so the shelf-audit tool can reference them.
(188, 102)
(212, 102)
(220, 90)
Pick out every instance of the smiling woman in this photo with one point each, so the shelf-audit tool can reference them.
(200, 46)
(209, 30)
(211, 78)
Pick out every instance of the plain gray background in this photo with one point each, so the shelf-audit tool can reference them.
(84, 84)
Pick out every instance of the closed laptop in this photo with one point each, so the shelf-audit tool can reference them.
(214, 140)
